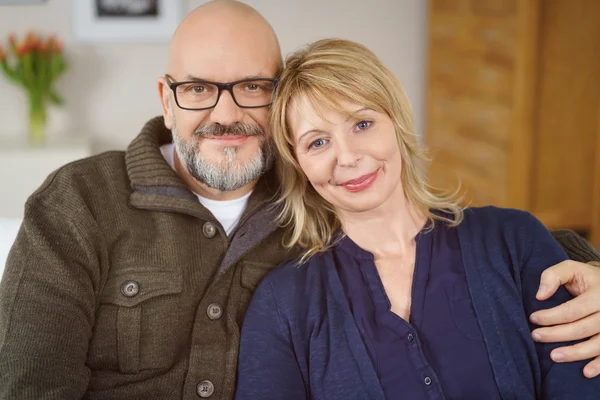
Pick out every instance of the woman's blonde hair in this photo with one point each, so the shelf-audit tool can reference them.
(325, 73)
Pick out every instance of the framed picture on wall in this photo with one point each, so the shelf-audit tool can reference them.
(126, 20)
(20, 2)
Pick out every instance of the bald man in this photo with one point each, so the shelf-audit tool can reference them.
(133, 270)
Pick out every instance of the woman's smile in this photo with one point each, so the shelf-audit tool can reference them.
(361, 183)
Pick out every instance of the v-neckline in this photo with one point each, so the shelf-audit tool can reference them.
(424, 245)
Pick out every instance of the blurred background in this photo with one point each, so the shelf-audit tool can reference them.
(505, 93)
(110, 87)
(512, 106)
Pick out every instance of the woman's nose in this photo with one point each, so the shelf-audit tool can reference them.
(347, 156)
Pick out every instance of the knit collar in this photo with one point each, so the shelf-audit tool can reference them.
(156, 185)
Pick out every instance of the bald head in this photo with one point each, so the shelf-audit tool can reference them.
(224, 32)
(222, 41)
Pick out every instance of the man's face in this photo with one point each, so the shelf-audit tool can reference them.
(225, 147)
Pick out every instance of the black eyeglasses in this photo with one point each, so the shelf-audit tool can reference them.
(202, 95)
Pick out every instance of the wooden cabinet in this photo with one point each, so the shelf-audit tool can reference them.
(513, 106)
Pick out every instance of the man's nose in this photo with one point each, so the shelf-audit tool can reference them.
(226, 112)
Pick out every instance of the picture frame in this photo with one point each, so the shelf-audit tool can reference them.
(126, 20)
(20, 2)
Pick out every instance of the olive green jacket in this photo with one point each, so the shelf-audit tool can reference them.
(121, 285)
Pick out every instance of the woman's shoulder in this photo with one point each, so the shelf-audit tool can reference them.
(492, 228)
(297, 273)
(295, 288)
(506, 218)
(496, 230)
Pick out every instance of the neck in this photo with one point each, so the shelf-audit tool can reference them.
(387, 231)
(206, 191)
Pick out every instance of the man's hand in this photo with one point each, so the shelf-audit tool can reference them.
(576, 319)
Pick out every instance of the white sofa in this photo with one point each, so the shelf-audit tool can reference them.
(8, 232)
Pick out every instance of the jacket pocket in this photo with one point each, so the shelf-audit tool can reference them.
(140, 309)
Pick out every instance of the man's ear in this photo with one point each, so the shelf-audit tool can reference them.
(164, 92)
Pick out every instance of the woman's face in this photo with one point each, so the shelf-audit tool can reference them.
(354, 161)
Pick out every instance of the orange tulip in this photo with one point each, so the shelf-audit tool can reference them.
(56, 47)
(31, 38)
(50, 42)
(12, 39)
(42, 47)
(23, 49)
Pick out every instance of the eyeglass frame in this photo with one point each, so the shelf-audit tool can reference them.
(220, 87)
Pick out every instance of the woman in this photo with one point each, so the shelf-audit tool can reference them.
(401, 293)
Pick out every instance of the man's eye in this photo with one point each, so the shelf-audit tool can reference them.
(198, 89)
(362, 125)
(253, 87)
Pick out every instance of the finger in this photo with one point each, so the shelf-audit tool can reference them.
(581, 329)
(552, 278)
(592, 369)
(569, 311)
(577, 352)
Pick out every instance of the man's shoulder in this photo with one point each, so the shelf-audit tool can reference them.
(90, 176)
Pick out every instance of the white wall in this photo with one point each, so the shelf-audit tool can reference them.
(110, 88)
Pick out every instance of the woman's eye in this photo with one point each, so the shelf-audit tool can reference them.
(362, 125)
(317, 143)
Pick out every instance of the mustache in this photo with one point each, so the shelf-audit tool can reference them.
(237, 129)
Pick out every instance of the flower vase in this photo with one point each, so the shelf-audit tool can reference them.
(37, 120)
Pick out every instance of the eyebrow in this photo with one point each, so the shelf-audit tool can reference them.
(353, 113)
(306, 133)
(247, 77)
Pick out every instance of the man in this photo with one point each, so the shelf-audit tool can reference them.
(132, 271)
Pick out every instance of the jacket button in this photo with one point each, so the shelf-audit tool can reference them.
(209, 229)
(427, 381)
(214, 311)
(205, 389)
(130, 288)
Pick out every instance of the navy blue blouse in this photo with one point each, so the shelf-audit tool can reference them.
(440, 353)
(300, 338)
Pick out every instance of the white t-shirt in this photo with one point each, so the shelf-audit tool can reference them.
(227, 212)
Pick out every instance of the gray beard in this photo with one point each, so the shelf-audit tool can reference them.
(228, 174)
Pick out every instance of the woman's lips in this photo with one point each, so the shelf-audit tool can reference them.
(361, 183)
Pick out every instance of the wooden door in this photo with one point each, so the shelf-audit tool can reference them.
(565, 143)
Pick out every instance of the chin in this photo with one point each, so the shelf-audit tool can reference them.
(361, 205)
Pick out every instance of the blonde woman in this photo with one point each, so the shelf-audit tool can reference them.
(401, 293)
